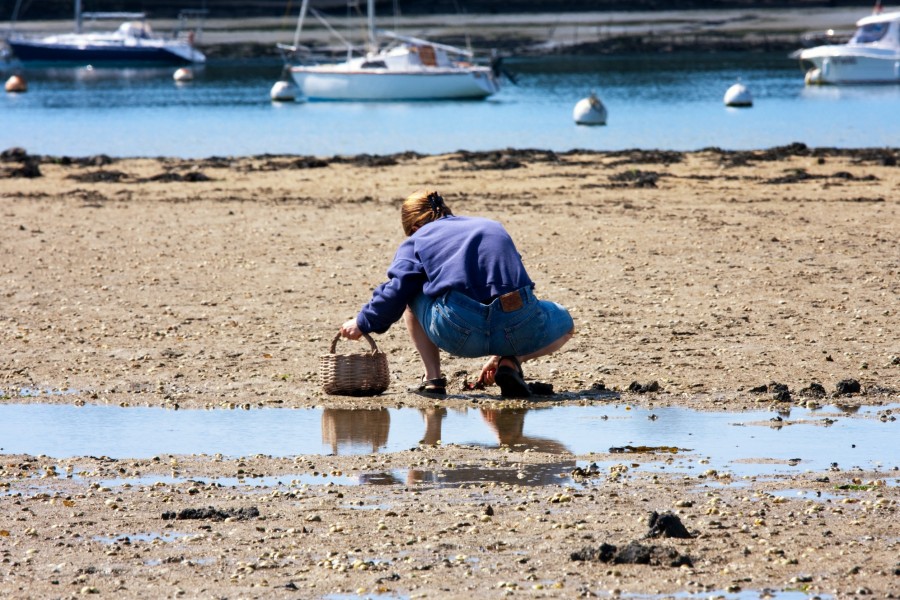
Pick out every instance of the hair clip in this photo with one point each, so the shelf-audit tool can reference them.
(437, 203)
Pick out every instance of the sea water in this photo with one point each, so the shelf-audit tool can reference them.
(655, 101)
(744, 443)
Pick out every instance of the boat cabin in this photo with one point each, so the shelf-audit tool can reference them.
(878, 30)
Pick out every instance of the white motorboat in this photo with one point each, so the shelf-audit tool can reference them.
(871, 56)
(406, 68)
(133, 42)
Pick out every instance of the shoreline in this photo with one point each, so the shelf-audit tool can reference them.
(773, 29)
(501, 158)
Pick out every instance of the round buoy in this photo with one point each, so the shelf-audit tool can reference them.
(589, 111)
(16, 85)
(813, 77)
(283, 91)
(183, 74)
(738, 95)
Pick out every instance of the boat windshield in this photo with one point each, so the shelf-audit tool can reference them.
(870, 33)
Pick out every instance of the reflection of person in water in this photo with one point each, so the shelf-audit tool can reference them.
(508, 425)
(433, 418)
(342, 427)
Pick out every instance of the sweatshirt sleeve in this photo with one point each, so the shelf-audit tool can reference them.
(405, 279)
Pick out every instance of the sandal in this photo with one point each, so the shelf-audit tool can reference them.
(511, 380)
(437, 387)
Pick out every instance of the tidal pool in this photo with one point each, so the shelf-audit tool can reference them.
(678, 439)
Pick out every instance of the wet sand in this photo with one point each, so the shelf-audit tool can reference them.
(217, 284)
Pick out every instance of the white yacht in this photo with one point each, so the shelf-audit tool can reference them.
(871, 56)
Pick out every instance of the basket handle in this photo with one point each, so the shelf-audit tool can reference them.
(365, 335)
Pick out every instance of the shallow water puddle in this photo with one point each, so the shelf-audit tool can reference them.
(141, 537)
(748, 443)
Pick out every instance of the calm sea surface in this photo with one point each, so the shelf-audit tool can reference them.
(654, 101)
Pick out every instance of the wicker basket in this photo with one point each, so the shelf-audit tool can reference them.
(362, 374)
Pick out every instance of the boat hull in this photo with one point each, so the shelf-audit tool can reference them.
(840, 65)
(318, 83)
(36, 51)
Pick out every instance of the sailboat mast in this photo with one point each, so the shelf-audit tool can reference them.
(300, 18)
(77, 16)
(370, 9)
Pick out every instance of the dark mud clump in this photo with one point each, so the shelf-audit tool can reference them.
(215, 162)
(540, 388)
(504, 159)
(171, 176)
(847, 176)
(792, 176)
(887, 157)
(213, 514)
(97, 160)
(666, 525)
(308, 162)
(633, 554)
(28, 167)
(635, 178)
(367, 160)
(644, 157)
(101, 176)
(14, 155)
(745, 157)
(846, 387)
(779, 391)
(479, 161)
(813, 390)
(644, 388)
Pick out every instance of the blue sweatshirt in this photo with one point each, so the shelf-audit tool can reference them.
(472, 255)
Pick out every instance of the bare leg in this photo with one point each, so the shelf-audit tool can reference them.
(429, 353)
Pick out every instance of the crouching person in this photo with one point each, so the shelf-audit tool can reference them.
(460, 286)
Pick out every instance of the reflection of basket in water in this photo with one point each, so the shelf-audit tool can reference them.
(348, 428)
(361, 374)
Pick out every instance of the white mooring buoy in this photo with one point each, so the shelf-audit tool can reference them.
(738, 95)
(16, 85)
(589, 111)
(183, 74)
(813, 77)
(283, 91)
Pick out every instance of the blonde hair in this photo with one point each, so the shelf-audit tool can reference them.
(420, 208)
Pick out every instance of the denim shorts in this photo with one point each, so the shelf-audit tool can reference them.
(465, 327)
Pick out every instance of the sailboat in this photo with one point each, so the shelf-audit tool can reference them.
(405, 68)
(133, 42)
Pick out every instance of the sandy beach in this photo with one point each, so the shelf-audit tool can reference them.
(218, 283)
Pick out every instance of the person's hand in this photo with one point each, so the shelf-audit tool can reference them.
(350, 330)
(489, 371)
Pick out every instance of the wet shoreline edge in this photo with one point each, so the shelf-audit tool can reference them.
(506, 158)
